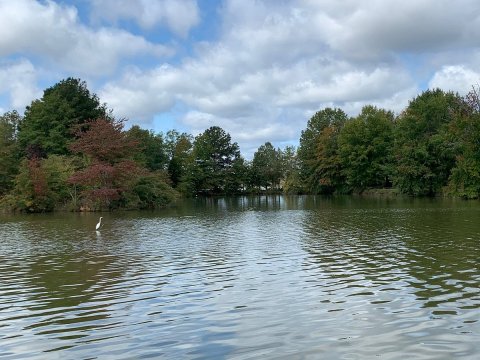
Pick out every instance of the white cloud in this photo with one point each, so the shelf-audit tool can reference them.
(177, 15)
(53, 32)
(272, 68)
(139, 95)
(272, 65)
(249, 132)
(456, 78)
(18, 79)
(374, 29)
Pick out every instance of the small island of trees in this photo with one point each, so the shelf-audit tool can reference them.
(68, 152)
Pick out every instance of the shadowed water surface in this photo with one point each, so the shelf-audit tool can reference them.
(245, 278)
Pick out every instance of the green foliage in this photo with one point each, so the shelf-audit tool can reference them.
(267, 167)
(29, 193)
(214, 156)
(431, 147)
(319, 162)
(365, 149)
(317, 151)
(152, 152)
(327, 176)
(291, 171)
(236, 177)
(464, 180)
(179, 152)
(49, 122)
(151, 191)
(41, 184)
(424, 152)
(9, 156)
(58, 170)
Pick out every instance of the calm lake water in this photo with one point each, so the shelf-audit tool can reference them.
(245, 278)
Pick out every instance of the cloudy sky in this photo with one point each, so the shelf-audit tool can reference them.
(259, 69)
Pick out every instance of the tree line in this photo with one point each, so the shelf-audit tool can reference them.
(67, 151)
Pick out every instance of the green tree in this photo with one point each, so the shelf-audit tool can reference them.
(464, 179)
(328, 176)
(152, 190)
(424, 151)
(58, 170)
(365, 149)
(9, 157)
(42, 184)
(236, 177)
(152, 152)
(50, 122)
(214, 155)
(30, 193)
(291, 171)
(311, 171)
(179, 153)
(267, 167)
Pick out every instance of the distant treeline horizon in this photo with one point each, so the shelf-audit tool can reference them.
(68, 152)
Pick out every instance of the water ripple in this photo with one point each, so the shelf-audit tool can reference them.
(248, 278)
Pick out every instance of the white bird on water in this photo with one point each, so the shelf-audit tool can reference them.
(99, 223)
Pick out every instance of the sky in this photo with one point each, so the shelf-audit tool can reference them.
(258, 69)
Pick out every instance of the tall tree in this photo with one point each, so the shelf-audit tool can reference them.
(267, 166)
(328, 176)
(110, 170)
(236, 177)
(365, 149)
(179, 148)
(214, 155)
(308, 150)
(9, 157)
(291, 171)
(49, 122)
(464, 179)
(424, 153)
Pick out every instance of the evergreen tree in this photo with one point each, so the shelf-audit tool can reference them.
(50, 122)
(214, 156)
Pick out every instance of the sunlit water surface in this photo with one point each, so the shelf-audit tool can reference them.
(245, 278)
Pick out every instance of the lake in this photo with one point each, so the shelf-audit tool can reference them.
(270, 277)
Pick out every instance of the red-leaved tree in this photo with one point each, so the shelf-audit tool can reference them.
(110, 170)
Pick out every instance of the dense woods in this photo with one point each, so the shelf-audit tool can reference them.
(67, 151)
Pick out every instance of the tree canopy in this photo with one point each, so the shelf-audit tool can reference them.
(49, 122)
(67, 151)
(214, 156)
(365, 149)
(423, 152)
(109, 170)
(317, 150)
(9, 157)
(267, 166)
